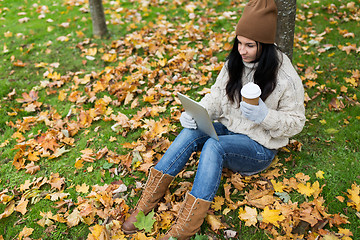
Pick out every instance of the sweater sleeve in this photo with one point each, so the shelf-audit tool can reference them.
(212, 100)
(289, 117)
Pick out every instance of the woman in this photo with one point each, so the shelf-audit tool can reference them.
(249, 135)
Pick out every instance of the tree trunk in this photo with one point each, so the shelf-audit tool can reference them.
(286, 26)
(98, 19)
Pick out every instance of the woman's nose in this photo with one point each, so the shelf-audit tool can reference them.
(242, 49)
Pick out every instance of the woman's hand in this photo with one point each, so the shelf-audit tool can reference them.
(256, 113)
(187, 121)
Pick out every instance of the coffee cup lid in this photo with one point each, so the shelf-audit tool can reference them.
(251, 90)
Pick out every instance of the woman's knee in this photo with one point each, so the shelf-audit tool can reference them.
(213, 147)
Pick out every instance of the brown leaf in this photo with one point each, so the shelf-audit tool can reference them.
(336, 105)
(28, 97)
(56, 181)
(32, 168)
(45, 221)
(237, 182)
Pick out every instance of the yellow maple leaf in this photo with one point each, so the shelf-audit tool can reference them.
(354, 196)
(272, 216)
(278, 186)
(166, 219)
(79, 163)
(351, 80)
(319, 174)
(305, 189)
(62, 95)
(217, 203)
(82, 189)
(108, 57)
(98, 231)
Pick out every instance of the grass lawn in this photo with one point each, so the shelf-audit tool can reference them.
(83, 119)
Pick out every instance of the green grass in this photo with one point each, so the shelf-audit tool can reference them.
(330, 138)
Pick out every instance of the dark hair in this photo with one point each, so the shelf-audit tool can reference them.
(265, 73)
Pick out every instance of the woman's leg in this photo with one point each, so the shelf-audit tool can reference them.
(236, 152)
(179, 152)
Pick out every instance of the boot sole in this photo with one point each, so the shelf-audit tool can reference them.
(128, 232)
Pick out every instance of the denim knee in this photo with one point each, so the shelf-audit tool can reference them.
(208, 175)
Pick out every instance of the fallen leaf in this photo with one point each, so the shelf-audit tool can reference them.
(272, 216)
(249, 215)
(25, 232)
(319, 174)
(8, 210)
(214, 222)
(22, 205)
(145, 222)
(83, 188)
(74, 218)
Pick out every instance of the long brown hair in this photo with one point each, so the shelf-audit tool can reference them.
(265, 73)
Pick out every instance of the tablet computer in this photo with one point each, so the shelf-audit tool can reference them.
(199, 113)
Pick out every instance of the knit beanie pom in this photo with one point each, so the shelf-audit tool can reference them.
(258, 21)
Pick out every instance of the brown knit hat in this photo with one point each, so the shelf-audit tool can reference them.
(258, 21)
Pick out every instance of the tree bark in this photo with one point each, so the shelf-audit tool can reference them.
(98, 19)
(286, 26)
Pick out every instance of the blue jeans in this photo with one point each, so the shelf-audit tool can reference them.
(236, 152)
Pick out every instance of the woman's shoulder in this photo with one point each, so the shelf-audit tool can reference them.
(286, 69)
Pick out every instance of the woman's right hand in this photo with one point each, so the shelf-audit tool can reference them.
(187, 121)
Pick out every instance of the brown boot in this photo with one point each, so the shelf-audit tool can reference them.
(155, 188)
(190, 218)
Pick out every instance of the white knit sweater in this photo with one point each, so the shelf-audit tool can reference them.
(286, 116)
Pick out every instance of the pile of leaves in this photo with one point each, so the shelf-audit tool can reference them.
(135, 92)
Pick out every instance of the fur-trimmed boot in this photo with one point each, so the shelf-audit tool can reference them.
(154, 190)
(190, 218)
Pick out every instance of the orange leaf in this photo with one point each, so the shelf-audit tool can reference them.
(19, 63)
(56, 181)
(8, 210)
(25, 232)
(21, 207)
(28, 97)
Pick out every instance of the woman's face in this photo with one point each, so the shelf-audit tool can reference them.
(247, 48)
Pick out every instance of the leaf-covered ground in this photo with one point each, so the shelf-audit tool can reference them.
(84, 119)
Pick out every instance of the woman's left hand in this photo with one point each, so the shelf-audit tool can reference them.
(256, 113)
